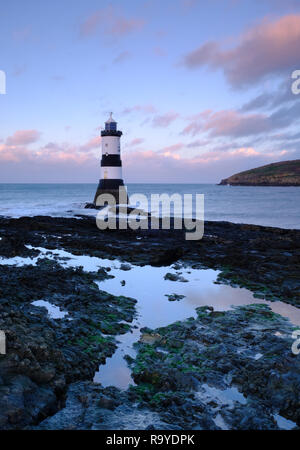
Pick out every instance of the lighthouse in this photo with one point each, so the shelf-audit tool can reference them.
(111, 181)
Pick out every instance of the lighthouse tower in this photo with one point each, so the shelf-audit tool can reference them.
(111, 164)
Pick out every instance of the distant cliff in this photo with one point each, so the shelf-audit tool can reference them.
(285, 173)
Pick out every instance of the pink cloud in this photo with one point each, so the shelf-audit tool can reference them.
(91, 144)
(172, 150)
(228, 123)
(135, 142)
(109, 21)
(269, 48)
(12, 154)
(232, 123)
(65, 162)
(150, 166)
(196, 122)
(164, 120)
(16, 149)
(91, 24)
(123, 26)
(242, 152)
(197, 143)
(23, 137)
(193, 128)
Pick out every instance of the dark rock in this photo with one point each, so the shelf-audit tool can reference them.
(125, 267)
(174, 277)
(174, 297)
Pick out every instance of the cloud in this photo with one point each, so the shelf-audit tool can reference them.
(123, 56)
(91, 144)
(286, 137)
(261, 101)
(23, 137)
(172, 150)
(285, 116)
(231, 123)
(148, 166)
(198, 143)
(135, 142)
(22, 34)
(228, 123)
(158, 51)
(164, 120)
(196, 123)
(270, 100)
(123, 26)
(267, 49)
(57, 77)
(90, 24)
(238, 124)
(109, 21)
(9, 154)
(193, 128)
(188, 4)
(65, 162)
(17, 149)
(147, 109)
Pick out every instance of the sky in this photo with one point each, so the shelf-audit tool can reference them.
(200, 90)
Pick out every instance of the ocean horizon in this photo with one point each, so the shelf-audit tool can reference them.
(259, 205)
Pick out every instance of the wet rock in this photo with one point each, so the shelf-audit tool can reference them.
(14, 245)
(167, 257)
(125, 267)
(48, 354)
(107, 402)
(150, 338)
(102, 409)
(175, 297)
(23, 402)
(174, 277)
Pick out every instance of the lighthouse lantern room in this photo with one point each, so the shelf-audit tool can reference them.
(111, 165)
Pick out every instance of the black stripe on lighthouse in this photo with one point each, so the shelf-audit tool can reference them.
(113, 183)
(111, 133)
(111, 161)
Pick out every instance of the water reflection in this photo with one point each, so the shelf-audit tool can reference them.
(148, 286)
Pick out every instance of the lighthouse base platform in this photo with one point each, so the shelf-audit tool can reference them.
(119, 194)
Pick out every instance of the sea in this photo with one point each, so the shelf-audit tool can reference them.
(259, 205)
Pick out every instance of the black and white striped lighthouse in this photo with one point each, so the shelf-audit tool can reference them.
(111, 181)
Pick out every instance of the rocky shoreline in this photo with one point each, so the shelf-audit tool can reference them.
(46, 375)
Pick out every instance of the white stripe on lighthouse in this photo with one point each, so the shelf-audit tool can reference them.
(111, 173)
(110, 145)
